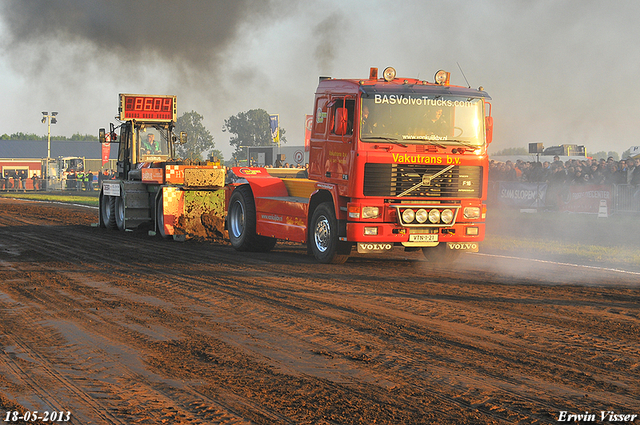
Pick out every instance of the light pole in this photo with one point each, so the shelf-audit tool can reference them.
(49, 119)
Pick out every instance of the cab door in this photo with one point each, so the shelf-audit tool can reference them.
(317, 140)
(125, 151)
(340, 140)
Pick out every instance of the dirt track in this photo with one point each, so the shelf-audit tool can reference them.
(123, 328)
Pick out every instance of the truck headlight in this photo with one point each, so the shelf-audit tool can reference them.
(471, 213)
(434, 216)
(370, 212)
(421, 215)
(446, 216)
(408, 215)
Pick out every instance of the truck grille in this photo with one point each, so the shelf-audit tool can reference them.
(394, 179)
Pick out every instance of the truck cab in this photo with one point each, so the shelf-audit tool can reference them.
(393, 162)
(143, 143)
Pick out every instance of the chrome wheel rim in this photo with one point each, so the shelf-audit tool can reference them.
(322, 234)
(236, 220)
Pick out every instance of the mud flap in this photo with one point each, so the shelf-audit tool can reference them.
(463, 246)
(373, 247)
(193, 213)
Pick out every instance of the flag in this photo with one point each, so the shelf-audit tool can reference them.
(275, 128)
(308, 124)
(106, 150)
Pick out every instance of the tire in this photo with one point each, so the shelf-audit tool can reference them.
(118, 212)
(440, 254)
(323, 236)
(107, 212)
(160, 218)
(241, 223)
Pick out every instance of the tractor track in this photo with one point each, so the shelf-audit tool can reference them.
(121, 327)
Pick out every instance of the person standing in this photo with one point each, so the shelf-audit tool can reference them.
(23, 180)
(635, 178)
(89, 181)
(101, 176)
(71, 180)
(79, 180)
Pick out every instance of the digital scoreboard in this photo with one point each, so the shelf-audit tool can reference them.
(142, 107)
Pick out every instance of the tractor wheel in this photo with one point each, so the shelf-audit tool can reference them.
(118, 210)
(107, 214)
(160, 218)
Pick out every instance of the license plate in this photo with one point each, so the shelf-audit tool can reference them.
(430, 237)
(111, 189)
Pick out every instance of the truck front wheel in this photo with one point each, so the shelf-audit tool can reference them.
(323, 237)
(241, 223)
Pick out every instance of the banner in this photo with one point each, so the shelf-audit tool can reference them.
(275, 128)
(308, 124)
(584, 198)
(522, 195)
(106, 150)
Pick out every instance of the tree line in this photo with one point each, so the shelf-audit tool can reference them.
(31, 136)
(250, 128)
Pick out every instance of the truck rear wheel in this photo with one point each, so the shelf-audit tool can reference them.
(323, 237)
(440, 254)
(107, 213)
(241, 223)
(118, 210)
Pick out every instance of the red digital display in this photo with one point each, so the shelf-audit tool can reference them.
(147, 108)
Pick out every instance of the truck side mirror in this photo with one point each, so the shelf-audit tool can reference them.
(488, 124)
(113, 137)
(341, 120)
(102, 135)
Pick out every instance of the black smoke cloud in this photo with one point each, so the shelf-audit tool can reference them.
(188, 33)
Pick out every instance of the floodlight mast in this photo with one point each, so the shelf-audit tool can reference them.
(50, 119)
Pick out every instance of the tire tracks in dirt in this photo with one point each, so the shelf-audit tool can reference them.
(193, 332)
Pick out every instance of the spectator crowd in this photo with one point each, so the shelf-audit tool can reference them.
(17, 181)
(573, 171)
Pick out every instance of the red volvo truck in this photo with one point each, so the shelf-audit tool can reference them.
(393, 162)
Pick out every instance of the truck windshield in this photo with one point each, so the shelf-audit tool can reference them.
(153, 143)
(419, 119)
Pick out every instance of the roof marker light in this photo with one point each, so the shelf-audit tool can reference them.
(389, 74)
(442, 77)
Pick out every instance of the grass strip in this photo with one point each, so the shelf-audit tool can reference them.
(70, 199)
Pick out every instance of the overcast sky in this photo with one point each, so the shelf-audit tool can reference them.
(558, 71)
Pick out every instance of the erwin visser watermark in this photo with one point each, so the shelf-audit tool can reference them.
(602, 416)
